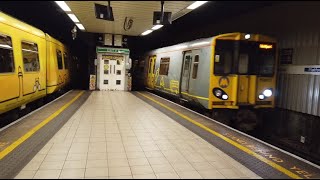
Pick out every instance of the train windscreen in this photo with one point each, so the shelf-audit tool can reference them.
(244, 57)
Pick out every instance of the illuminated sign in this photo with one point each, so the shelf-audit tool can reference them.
(265, 46)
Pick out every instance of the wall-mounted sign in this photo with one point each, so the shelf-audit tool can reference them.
(112, 50)
(286, 55)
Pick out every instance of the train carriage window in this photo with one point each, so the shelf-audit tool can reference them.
(66, 60)
(59, 59)
(6, 55)
(195, 67)
(164, 66)
(30, 56)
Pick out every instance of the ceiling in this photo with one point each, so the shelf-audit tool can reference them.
(140, 11)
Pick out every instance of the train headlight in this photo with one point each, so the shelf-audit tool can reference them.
(218, 92)
(261, 97)
(267, 93)
(224, 97)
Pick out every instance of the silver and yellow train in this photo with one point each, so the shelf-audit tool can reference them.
(228, 71)
(32, 64)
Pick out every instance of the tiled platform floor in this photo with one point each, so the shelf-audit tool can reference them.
(116, 135)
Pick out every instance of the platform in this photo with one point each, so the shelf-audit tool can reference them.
(116, 134)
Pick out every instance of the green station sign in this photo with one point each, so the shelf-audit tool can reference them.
(112, 50)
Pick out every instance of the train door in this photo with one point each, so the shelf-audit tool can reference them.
(185, 76)
(151, 72)
(9, 76)
(31, 68)
(243, 79)
(194, 72)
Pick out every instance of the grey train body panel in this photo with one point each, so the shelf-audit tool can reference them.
(198, 88)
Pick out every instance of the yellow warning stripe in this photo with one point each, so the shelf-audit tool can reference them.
(15, 144)
(261, 158)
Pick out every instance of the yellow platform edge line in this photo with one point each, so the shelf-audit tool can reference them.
(19, 141)
(239, 146)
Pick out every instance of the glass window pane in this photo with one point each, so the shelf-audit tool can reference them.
(118, 82)
(6, 55)
(164, 66)
(118, 72)
(30, 57)
(59, 59)
(195, 67)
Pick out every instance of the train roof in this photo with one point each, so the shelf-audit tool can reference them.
(185, 45)
(208, 41)
(11, 21)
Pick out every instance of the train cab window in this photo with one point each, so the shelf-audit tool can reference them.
(164, 66)
(6, 55)
(59, 59)
(195, 67)
(224, 57)
(30, 56)
(66, 60)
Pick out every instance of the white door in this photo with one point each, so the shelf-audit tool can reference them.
(113, 74)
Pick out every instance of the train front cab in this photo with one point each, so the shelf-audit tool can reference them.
(57, 66)
(243, 73)
(22, 63)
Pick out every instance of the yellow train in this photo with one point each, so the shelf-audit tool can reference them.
(234, 72)
(32, 64)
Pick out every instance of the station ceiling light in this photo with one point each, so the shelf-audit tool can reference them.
(196, 4)
(73, 18)
(80, 26)
(146, 32)
(63, 5)
(157, 27)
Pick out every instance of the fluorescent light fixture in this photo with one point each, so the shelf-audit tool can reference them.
(63, 5)
(196, 4)
(5, 46)
(73, 18)
(157, 27)
(80, 26)
(200, 43)
(146, 32)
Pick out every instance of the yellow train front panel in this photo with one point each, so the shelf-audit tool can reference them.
(22, 63)
(243, 71)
